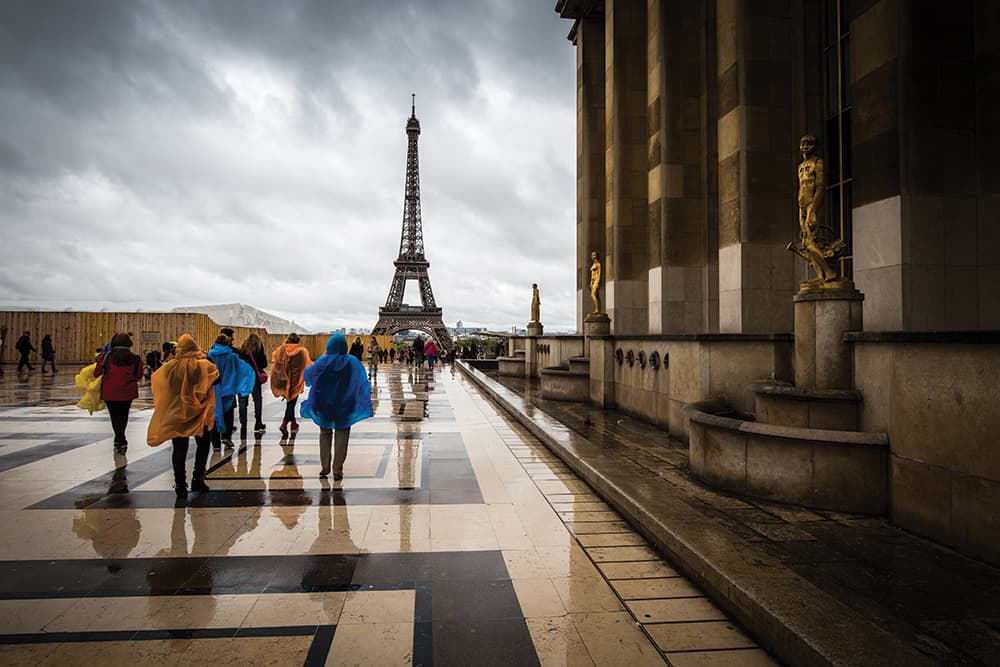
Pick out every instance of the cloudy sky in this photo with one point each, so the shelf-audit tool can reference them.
(160, 154)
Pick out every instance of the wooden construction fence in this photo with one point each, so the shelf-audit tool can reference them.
(77, 335)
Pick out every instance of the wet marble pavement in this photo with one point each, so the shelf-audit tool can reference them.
(455, 538)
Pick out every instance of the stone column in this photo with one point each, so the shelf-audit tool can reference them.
(626, 264)
(677, 222)
(925, 237)
(756, 166)
(590, 155)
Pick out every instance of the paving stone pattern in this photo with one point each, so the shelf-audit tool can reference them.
(923, 603)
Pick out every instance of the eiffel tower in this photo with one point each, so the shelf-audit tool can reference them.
(395, 315)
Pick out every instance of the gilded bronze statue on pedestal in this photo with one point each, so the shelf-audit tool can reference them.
(535, 304)
(595, 281)
(818, 244)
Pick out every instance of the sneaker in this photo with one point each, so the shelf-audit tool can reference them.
(324, 472)
(294, 427)
(337, 476)
(259, 428)
(181, 490)
(121, 449)
(283, 430)
(199, 485)
(227, 443)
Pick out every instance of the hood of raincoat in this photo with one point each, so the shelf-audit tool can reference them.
(337, 344)
(183, 400)
(187, 347)
(339, 395)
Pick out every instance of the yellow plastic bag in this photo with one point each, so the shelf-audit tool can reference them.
(91, 389)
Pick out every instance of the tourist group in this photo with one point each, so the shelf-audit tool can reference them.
(196, 393)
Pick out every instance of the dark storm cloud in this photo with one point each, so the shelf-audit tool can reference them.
(265, 140)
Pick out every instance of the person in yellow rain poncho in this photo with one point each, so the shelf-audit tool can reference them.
(288, 366)
(184, 406)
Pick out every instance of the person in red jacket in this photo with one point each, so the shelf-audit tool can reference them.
(122, 370)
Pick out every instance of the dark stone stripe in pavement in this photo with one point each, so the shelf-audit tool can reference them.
(49, 445)
(786, 613)
(320, 647)
(77, 578)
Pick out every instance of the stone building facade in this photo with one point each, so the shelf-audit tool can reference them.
(689, 116)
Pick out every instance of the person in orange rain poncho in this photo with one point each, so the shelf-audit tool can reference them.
(288, 364)
(184, 406)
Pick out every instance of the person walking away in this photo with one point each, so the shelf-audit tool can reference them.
(418, 351)
(252, 352)
(339, 397)
(24, 348)
(358, 349)
(392, 354)
(152, 362)
(48, 353)
(121, 370)
(231, 417)
(184, 406)
(235, 377)
(431, 352)
(288, 363)
(374, 354)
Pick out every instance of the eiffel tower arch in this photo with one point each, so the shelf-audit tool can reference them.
(396, 316)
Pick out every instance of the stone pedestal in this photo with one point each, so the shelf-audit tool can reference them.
(822, 316)
(597, 324)
(534, 328)
(594, 324)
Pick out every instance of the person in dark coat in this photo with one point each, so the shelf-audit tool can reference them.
(24, 348)
(121, 370)
(358, 349)
(417, 350)
(48, 353)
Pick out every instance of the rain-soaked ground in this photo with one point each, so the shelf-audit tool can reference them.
(455, 538)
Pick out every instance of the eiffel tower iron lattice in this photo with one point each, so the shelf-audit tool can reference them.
(411, 264)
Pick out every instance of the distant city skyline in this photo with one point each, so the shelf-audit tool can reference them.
(157, 154)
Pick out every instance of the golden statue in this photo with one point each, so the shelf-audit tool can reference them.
(535, 303)
(818, 245)
(595, 281)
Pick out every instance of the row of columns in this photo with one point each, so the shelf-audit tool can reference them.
(685, 164)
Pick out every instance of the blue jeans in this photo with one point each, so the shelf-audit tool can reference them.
(244, 403)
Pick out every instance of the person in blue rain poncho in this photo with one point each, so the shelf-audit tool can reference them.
(339, 397)
(236, 377)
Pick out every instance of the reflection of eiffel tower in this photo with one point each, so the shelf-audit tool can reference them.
(395, 315)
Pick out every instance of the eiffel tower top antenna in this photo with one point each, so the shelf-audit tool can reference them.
(413, 105)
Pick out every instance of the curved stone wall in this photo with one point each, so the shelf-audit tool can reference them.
(836, 470)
